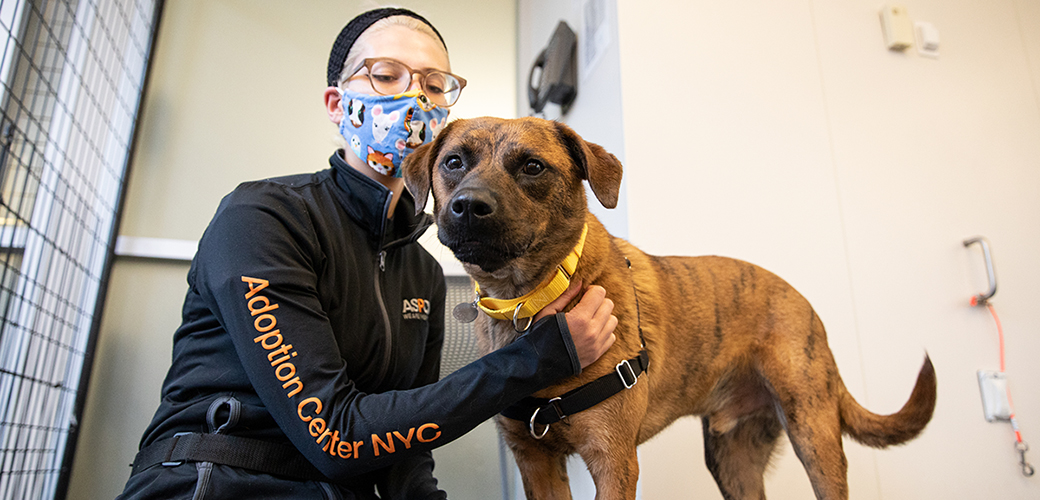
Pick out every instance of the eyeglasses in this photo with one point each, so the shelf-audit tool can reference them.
(390, 77)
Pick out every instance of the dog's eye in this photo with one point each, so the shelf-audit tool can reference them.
(453, 163)
(533, 168)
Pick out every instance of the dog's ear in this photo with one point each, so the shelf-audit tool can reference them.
(417, 169)
(600, 168)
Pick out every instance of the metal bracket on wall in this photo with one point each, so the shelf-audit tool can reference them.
(980, 299)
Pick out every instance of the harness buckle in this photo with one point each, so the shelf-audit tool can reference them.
(631, 372)
(530, 424)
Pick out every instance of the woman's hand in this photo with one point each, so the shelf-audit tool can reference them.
(590, 322)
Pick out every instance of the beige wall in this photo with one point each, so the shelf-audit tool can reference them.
(784, 133)
(236, 94)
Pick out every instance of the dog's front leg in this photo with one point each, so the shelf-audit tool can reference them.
(615, 477)
(544, 473)
(606, 437)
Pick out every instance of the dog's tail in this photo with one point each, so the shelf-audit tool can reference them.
(880, 431)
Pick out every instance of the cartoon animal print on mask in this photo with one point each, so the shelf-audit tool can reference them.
(382, 122)
(356, 110)
(396, 124)
(381, 162)
(355, 145)
(424, 102)
(437, 126)
(416, 130)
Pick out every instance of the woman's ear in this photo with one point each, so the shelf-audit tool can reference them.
(332, 106)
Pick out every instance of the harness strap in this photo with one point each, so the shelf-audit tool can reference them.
(253, 454)
(549, 411)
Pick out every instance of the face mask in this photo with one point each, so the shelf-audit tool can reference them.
(383, 129)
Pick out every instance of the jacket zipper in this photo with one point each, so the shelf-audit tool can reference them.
(388, 345)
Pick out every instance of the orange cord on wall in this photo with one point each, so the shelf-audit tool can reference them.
(1020, 445)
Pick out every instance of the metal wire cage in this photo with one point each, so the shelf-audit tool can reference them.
(71, 77)
(460, 343)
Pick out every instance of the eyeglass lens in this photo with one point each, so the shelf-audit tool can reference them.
(392, 77)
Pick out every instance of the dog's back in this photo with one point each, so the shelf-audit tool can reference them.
(732, 323)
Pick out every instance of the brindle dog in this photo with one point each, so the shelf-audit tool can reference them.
(727, 340)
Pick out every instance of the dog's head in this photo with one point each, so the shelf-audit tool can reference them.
(504, 189)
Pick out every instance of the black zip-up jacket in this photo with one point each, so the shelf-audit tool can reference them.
(325, 320)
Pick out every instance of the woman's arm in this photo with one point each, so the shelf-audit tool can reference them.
(257, 268)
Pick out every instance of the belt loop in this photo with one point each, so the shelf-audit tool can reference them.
(234, 410)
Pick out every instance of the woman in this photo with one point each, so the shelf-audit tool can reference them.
(306, 365)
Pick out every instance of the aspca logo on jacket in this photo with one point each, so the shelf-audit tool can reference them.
(416, 309)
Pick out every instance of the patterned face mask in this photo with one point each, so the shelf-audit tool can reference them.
(383, 129)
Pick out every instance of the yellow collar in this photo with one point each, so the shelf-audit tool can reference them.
(529, 304)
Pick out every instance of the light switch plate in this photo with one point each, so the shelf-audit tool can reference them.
(927, 39)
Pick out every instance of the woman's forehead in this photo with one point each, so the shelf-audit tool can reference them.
(416, 49)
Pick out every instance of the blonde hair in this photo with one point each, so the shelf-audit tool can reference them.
(362, 40)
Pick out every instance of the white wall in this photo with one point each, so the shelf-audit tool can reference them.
(236, 94)
(784, 133)
(855, 173)
(596, 110)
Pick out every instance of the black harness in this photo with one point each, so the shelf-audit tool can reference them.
(544, 411)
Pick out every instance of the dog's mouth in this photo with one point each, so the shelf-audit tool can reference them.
(487, 253)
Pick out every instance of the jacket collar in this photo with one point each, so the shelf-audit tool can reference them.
(367, 202)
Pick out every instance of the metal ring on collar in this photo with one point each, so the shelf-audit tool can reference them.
(530, 424)
(516, 325)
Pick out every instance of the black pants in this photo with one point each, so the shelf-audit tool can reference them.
(208, 481)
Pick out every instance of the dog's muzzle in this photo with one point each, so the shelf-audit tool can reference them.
(470, 227)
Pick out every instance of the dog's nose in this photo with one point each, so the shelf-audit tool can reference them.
(473, 204)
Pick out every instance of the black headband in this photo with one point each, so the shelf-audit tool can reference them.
(355, 28)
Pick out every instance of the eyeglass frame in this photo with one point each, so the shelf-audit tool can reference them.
(369, 61)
